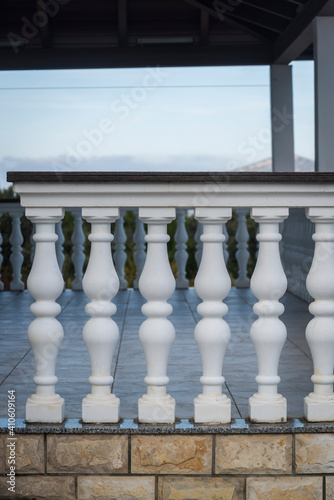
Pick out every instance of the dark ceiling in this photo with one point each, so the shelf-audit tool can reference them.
(47, 34)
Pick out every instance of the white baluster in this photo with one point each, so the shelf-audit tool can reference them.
(139, 255)
(242, 254)
(32, 242)
(45, 333)
(59, 245)
(16, 240)
(120, 254)
(212, 333)
(225, 247)
(181, 254)
(100, 333)
(78, 256)
(268, 332)
(199, 244)
(157, 333)
(319, 405)
(1, 257)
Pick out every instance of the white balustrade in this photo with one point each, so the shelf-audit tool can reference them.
(156, 333)
(16, 240)
(268, 332)
(100, 333)
(181, 254)
(270, 201)
(59, 245)
(242, 254)
(225, 246)
(32, 243)
(319, 405)
(120, 254)
(78, 257)
(199, 244)
(212, 333)
(45, 333)
(297, 251)
(1, 257)
(139, 255)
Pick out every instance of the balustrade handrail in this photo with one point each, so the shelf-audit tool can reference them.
(182, 177)
(101, 196)
(179, 189)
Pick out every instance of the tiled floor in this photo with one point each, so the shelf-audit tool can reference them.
(73, 368)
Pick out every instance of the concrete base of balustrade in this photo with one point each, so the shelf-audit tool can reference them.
(262, 411)
(101, 410)
(319, 408)
(154, 410)
(242, 282)
(210, 410)
(77, 285)
(16, 286)
(76, 461)
(182, 284)
(45, 409)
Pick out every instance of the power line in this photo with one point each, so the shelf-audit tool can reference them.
(131, 87)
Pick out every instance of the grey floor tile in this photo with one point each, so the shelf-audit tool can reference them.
(184, 369)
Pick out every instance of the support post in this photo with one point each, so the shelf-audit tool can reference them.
(282, 118)
(323, 87)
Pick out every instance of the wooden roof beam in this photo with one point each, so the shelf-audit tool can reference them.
(299, 34)
(44, 24)
(281, 9)
(223, 18)
(204, 27)
(122, 22)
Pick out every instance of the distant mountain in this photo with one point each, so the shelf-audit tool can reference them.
(302, 165)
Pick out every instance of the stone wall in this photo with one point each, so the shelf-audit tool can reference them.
(160, 467)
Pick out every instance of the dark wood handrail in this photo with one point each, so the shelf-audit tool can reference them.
(173, 177)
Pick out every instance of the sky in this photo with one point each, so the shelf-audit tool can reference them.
(145, 119)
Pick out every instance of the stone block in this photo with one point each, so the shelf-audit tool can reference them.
(171, 454)
(201, 488)
(284, 488)
(329, 487)
(87, 453)
(254, 454)
(116, 488)
(39, 488)
(27, 451)
(314, 453)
